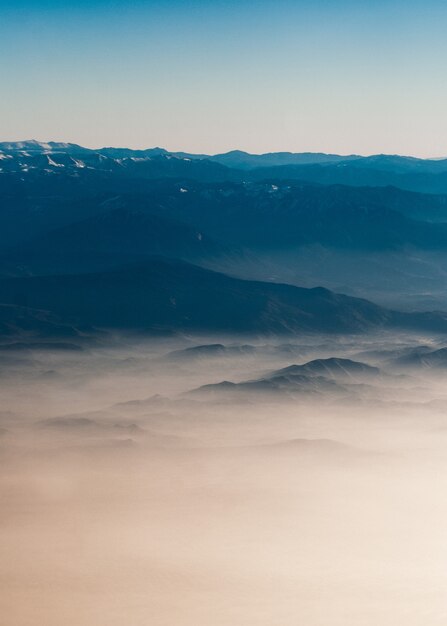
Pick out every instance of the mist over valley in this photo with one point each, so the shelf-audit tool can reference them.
(223, 388)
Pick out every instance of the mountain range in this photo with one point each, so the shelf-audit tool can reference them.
(156, 240)
(415, 174)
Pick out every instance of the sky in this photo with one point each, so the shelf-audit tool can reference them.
(340, 76)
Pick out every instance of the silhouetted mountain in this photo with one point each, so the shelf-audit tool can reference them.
(379, 164)
(429, 177)
(399, 164)
(283, 216)
(110, 239)
(27, 346)
(422, 358)
(321, 376)
(120, 153)
(331, 368)
(243, 160)
(257, 214)
(21, 321)
(170, 295)
(210, 351)
(282, 387)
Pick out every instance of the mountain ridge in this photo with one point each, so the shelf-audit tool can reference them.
(177, 296)
(412, 173)
(284, 156)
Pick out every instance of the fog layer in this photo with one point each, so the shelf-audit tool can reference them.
(136, 489)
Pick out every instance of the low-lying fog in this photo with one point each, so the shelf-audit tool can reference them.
(313, 496)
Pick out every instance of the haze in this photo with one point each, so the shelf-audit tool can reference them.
(121, 507)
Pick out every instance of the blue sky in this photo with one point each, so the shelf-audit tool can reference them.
(211, 75)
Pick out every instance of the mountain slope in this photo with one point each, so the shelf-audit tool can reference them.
(315, 377)
(69, 209)
(24, 322)
(110, 239)
(284, 215)
(331, 368)
(171, 295)
(427, 359)
(427, 179)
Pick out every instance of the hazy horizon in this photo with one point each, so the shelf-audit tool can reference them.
(338, 77)
(233, 149)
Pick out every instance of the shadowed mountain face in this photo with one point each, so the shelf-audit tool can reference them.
(303, 234)
(282, 216)
(170, 295)
(30, 323)
(261, 217)
(109, 239)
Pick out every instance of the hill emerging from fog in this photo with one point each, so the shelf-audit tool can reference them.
(320, 376)
(331, 368)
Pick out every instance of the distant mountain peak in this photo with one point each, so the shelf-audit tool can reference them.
(32, 146)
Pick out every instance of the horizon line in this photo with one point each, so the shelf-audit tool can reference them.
(210, 154)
